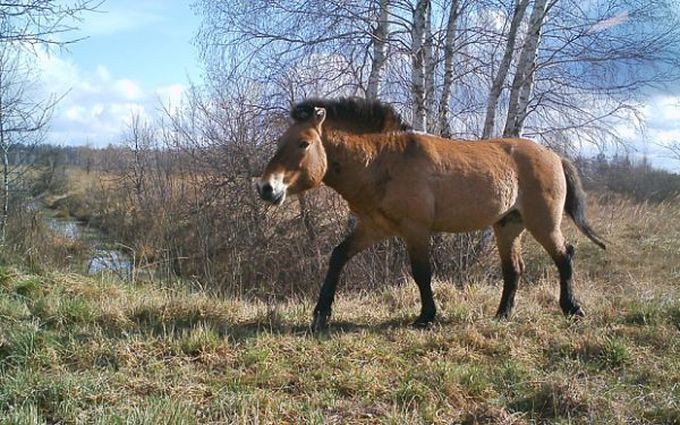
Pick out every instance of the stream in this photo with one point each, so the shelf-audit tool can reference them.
(103, 256)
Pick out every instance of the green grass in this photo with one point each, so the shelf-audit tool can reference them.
(77, 349)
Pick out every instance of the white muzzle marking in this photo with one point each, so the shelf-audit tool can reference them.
(273, 189)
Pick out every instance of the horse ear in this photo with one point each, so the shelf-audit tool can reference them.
(319, 115)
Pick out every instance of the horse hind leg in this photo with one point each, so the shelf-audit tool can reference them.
(508, 232)
(568, 302)
(562, 254)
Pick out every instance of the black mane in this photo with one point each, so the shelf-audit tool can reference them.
(353, 114)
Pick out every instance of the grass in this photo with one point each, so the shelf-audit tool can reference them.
(77, 349)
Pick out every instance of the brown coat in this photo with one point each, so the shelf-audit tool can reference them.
(409, 184)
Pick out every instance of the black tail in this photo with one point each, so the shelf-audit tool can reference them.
(575, 205)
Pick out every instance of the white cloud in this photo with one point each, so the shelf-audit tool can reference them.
(661, 126)
(605, 24)
(128, 89)
(663, 109)
(171, 95)
(103, 73)
(97, 105)
(644, 133)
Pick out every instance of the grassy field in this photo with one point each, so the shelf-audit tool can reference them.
(75, 349)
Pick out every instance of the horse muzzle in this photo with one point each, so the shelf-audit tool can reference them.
(272, 191)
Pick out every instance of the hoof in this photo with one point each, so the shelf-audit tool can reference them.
(578, 312)
(503, 314)
(420, 325)
(505, 309)
(423, 321)
(573, 310)
(320, 321)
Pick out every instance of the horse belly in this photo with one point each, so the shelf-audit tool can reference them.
(463, 206)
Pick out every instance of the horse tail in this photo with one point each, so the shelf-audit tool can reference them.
(575, 204)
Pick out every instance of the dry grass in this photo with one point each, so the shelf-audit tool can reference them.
(83, 350)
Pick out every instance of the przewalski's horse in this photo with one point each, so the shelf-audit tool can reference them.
(408, 184)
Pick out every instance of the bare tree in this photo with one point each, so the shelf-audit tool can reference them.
(672, 149)
(42, 22)
(592, 65)
(25, 25)
(23, 121)
(140, 141)
(323, 47)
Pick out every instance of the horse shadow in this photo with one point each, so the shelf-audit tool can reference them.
(154, 323)
(254, 328)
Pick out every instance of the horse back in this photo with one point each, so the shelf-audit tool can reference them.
(467, 185)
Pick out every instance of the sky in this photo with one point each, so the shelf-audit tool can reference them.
(660, 126)
(138, 54)
(135, 55)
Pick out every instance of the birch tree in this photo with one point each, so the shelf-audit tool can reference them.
(447, 84)
(430, 65)
(418, 89)
(597, 63)
(524, 75)
(503, 68)
(595, 57)
(380, 36)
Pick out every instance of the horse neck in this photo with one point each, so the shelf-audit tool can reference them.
(349, 158)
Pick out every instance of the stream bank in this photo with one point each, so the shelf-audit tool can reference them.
(103, 254)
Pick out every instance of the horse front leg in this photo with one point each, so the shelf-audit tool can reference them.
(361, 238)
(421, 269)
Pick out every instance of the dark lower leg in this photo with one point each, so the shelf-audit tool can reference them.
(510, 280)
(508, 233)
(422, 274)
(322, 311)
(568, 302)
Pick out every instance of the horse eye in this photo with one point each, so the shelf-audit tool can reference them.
(304, 145)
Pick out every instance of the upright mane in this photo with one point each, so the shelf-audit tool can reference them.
(354, 115)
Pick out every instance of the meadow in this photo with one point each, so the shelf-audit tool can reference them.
(77, 349)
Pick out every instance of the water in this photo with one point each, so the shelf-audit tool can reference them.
(110, 260)
(101, 258)
(68, 228)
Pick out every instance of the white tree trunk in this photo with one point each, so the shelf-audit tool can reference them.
(5, 165)
(430, 67)
(380, 35)
(524, 76)
(418, 65)
(503, 67)
(5, 198)
(443, 115)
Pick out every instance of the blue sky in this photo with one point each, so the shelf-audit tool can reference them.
(137, 54)
(148, 41)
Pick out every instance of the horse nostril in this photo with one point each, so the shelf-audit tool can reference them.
(267, 189)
